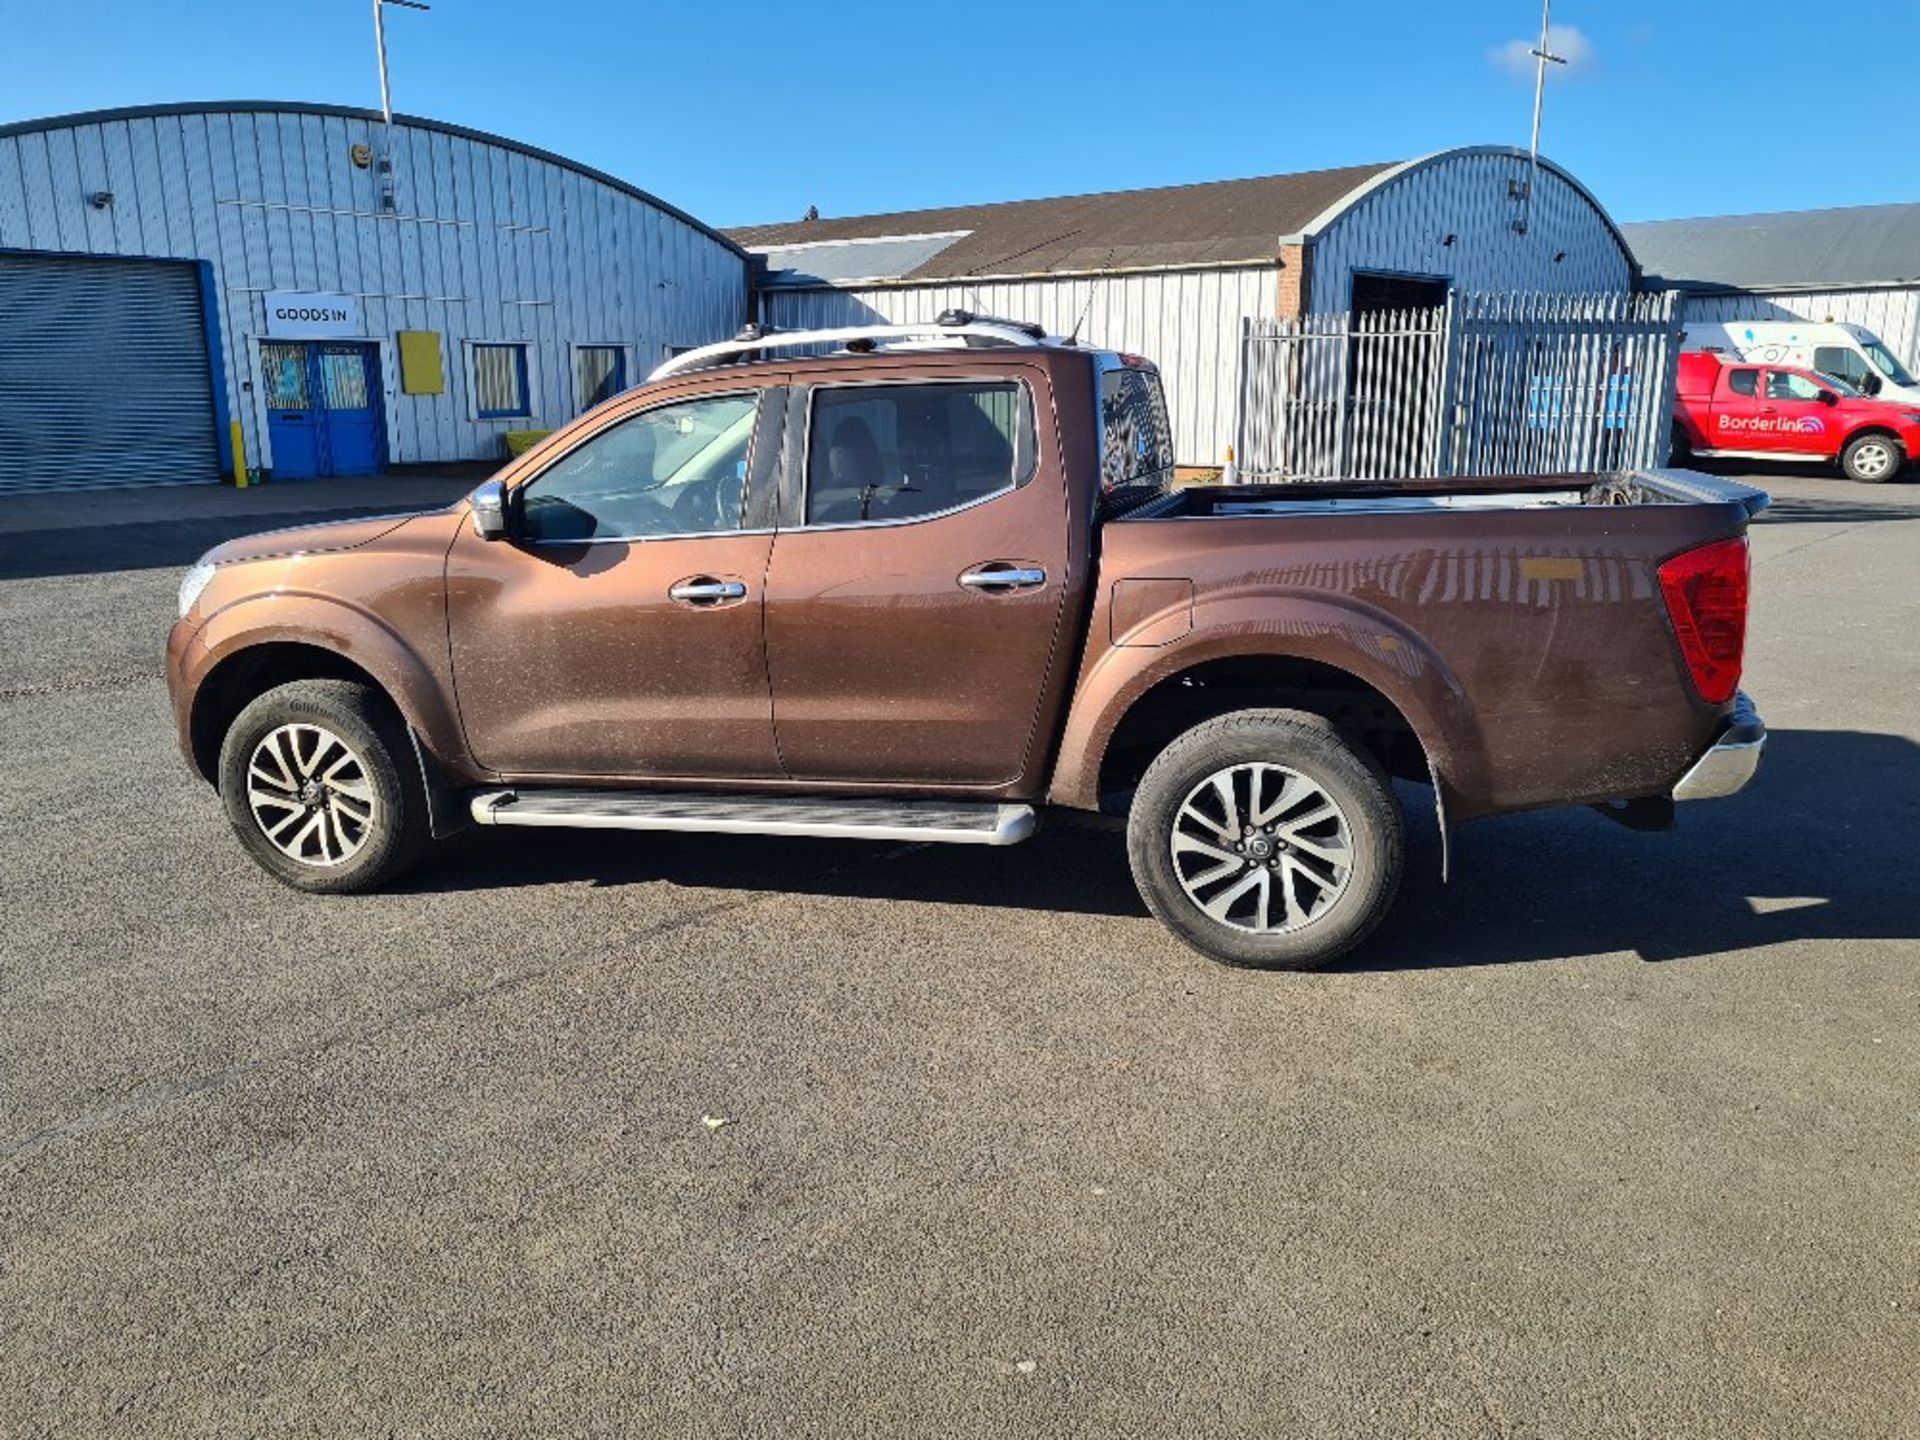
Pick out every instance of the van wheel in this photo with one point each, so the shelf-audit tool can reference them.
(1265, 838)
(319, 786)
(1679, 450)
(1872, 458)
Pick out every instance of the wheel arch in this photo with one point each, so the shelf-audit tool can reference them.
(244, 674)
(1256, 649)
(1874, 427)
(1211, 688)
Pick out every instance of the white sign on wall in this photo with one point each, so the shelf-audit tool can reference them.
(312, 314)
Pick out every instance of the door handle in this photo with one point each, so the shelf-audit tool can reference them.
(999, 575)
(704, 590)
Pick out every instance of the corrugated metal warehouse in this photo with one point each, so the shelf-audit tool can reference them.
(165, 268)
(1171, 272)
(1859, 266)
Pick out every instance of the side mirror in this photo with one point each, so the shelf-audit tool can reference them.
(1870, 384)
(489, 505)
(1827, 397)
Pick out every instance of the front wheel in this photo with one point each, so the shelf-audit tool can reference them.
(318, 786)
(1872, 458)
(1264, 838)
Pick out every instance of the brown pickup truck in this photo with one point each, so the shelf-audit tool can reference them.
(936, 582)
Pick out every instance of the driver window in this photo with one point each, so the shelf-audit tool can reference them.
(676, 470)
(1785, 385)
(1841, 363)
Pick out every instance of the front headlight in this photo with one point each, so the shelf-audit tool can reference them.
(192, 583)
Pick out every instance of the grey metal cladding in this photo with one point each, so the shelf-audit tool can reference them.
(1858, 245)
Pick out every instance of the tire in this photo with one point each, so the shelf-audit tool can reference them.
(333, 777)
(1872, 457)
(1179, 803)
(1680, 449)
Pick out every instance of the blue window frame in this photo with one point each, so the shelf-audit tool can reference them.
(500, 382)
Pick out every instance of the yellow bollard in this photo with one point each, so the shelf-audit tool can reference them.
(239, 455)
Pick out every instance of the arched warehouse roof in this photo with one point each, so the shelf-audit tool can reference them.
(350, 112)
(1220, 224)
(493, 287)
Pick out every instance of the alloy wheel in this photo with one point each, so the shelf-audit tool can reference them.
(1873, 460)
(1262, 848)
(311, 795)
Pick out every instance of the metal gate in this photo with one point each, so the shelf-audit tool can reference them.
(1483, 385)
(104, 378)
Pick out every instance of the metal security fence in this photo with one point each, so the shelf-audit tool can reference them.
(1483, 385)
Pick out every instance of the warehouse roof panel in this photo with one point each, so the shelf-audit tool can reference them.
(1860, 245)
(1223, 222)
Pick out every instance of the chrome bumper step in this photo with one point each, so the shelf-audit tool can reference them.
(937, 821)
(1730, 761)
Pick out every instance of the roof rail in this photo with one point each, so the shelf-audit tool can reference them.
(952, 324)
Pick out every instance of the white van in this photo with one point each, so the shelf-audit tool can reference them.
(1851, 353)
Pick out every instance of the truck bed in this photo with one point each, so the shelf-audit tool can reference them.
(1634, 487)
(1518, 623)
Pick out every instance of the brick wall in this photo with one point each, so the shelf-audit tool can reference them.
(1296, 282)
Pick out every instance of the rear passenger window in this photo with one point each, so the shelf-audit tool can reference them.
(899, 452)
(1744, 382)
(1136, 442)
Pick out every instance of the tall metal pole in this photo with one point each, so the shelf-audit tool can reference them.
(386, 100)
(386, 97)
(1541, 56)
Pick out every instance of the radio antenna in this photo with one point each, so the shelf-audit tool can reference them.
(1093, 289)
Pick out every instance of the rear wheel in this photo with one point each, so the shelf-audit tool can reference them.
(1265, 838)
(1872, 458)
(320, 789)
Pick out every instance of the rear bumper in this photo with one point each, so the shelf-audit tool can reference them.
(1730, 761)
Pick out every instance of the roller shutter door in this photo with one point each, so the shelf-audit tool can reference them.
(104, 377)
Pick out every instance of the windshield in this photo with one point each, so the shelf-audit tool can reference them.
(1885, 363)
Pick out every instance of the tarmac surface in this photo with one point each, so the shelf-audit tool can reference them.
(1615, 1134)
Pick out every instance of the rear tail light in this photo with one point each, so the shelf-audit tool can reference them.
(1706, 594)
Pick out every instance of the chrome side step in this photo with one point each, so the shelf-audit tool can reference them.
(937, 821)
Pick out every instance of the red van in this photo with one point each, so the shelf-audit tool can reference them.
(1727, 407)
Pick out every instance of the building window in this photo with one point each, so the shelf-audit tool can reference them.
(600, 372)
(500, 381)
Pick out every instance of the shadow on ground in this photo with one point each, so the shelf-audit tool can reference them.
(155, 539)
(1822, 847)
(1840, 512)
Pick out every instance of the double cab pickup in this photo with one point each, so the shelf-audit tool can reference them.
(936, 583)
(1728, 408)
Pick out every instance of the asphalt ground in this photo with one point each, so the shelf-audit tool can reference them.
(1615, 1134)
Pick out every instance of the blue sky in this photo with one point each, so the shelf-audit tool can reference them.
(745, 112)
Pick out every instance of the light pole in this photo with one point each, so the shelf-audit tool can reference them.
(1543, 57)
(386, 98)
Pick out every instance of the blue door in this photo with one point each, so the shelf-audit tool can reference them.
(323, 408)
(350, 404)
(293, 429)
